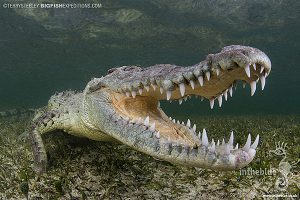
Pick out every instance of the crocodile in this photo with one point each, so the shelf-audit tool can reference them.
(124, 106)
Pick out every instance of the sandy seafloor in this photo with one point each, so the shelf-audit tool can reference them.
(84, 169)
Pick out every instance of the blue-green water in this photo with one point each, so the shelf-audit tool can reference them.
(47, 50)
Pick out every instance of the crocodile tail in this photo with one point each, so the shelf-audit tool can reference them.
(39, 151)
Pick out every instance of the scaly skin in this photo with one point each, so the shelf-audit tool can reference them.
(124, 106)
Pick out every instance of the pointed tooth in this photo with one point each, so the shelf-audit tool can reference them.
(223, 141)
(169, 94)
(182, 122)
(200, 79)
(154, 86)
(133, 93)
(231, 139)
(152, 127)
(255, 143)
(236, 146)
(204, 138)
(202, 98)
(170, 118)
(147, 88)
(248, 143)
(225, 94)
(254, 66)
(230, 91)
(174, 121)
(161, 90)
(227, 149)
(192, 83)
(127, 94)
(220, 100)
(185, 98)
(244, 84)
(140, 91)
(178, 122)
(180, 101)
(188, 123)
(247, 70)
(157, 135)
(263, 82)
(253, 87)
(213, 146)
(146, 122)
(199, 135)
(207, 74)
(262, 69)
(218, 72)
(182, 89)
(194, 128)
(212, 102)
(218, 143)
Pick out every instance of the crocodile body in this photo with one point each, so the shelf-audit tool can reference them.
(124, 106)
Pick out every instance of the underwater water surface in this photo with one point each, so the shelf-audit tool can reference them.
(43, 51)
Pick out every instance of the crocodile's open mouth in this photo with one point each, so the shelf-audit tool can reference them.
(143, 107)
(136, 95)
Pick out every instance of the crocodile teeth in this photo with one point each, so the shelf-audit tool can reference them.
(254, 66)
(154, 86)
(127, 94)
(152, 127)
(213, 146)
(199, 135)
(253, 87)
(255, 143)
(220, 100)
(188, 123)
(231, 139)
(147, 88)
(218, 143)
(182, 122)
(230, 91)
(207, 74)
(192, 83)
(223, 142)
(263, 82)
(140, 91)
(225, 94)
(133, 93)
(161, 90)
(217, 72)
(182, 89)
(146, 122)
(247, 70)
(262, 69)
(248, 143)
(244, 84)
(174, 121)
(237, 146)
(194, 128)
(212, 102)
(204, 138)
(200, 79)
(169, 94)
(180, 101)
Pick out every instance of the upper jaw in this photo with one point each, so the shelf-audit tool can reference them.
(209, 78)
